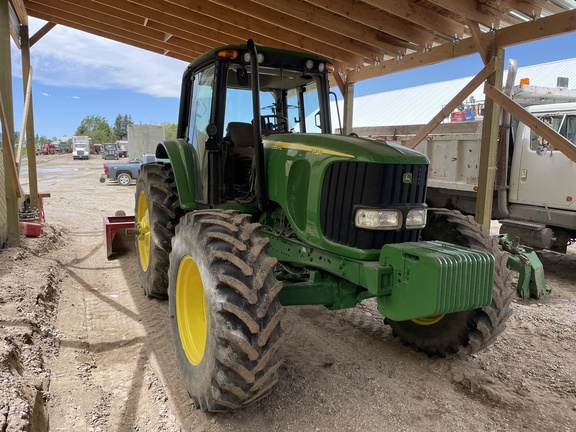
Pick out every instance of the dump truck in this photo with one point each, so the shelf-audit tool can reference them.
(258, 206)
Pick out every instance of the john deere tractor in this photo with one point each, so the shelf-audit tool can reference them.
(257, 206)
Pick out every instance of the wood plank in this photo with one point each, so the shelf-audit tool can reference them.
(537, 126)
(377, 19)
(468, 9)
(246, 12)
(118, 35)
(42, 32)
(323, 18)
(20, 10)
(420, 15)
(452, 104)
(263, 33)
(489, 149)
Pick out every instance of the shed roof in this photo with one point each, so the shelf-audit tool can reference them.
(365, 38)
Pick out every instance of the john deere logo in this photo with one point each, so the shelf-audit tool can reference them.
(407, 178)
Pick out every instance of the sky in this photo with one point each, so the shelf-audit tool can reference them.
(76, 74)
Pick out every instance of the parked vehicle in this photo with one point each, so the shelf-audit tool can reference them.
(110, 151)
(122, 148)
(260, 208)
(80, 147)
(46, 149)
(123, 173)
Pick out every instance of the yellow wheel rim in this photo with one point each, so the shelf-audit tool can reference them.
(191, 310)
(143, 224)
(426, 321)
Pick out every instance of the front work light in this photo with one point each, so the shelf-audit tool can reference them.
(416, 218)
(378, 219)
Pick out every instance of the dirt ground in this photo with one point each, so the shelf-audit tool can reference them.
(82, 348)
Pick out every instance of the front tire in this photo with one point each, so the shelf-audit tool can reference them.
(224, 308)
(157, 213)
(465, 332)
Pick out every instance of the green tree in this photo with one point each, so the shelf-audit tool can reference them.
(169, 130)
(121, 126)
(97, 128)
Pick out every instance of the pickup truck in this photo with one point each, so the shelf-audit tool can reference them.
(123, 173)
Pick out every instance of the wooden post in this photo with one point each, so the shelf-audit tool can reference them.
(30, 135)
(487, 168)
(11, 185)
(348, 107)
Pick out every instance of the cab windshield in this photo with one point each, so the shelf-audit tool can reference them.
(290, 101)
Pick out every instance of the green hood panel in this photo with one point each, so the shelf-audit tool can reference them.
(348, 147)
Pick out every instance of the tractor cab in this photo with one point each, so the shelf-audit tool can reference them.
(229, 105)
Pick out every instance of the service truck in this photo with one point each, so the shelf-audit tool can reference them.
(260, 206)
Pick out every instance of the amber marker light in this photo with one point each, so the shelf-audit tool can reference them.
(229, 53)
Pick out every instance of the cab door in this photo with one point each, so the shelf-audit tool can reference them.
(545, 176)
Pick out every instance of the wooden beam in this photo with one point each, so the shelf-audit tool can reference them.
(119, 30)
(377, 19)
(330, 22)
(348, 108)
(530, 10)
(454, 102)
(553, 25)
(10, 183)
(483, 45)
(469, 9)
(339, 81)
(30, 136)
(290, 21)
(240, 27)
(535, 124)
(427, 18)
(27, 98)
(20, 10)
(42, 32)
(489, 149)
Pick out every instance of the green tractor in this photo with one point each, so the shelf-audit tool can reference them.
(257, 206)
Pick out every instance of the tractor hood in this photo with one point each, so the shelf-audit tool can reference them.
(320, 179)
(344, 146)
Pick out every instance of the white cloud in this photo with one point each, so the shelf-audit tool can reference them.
(65, 57)
(45, 94)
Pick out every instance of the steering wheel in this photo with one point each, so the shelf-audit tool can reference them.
(274, 123)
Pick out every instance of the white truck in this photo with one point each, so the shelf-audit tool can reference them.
(80, 147)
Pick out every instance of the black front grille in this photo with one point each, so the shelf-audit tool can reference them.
(350, 185)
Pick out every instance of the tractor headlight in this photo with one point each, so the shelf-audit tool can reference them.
(378, 219)
(416, 218)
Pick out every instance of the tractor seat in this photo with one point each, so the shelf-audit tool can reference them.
(242, 135)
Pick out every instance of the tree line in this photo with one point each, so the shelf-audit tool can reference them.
(100, 131)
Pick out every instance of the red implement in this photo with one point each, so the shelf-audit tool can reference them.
(116, 239)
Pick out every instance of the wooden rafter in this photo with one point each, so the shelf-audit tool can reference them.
(364, 38)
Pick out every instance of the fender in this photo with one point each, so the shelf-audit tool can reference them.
(184, 166)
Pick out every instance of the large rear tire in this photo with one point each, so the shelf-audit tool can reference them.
(157, 214)
(224, 308)
(466, 332)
